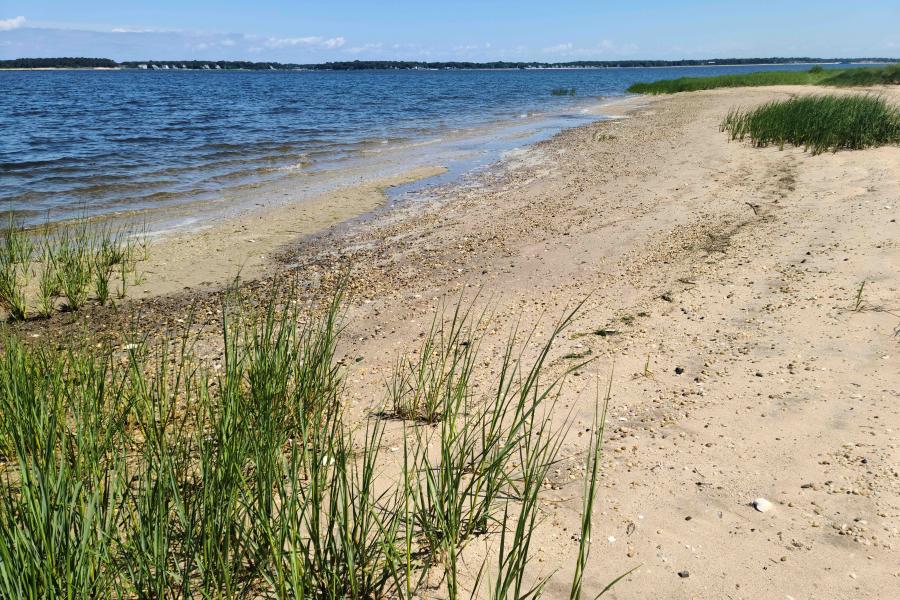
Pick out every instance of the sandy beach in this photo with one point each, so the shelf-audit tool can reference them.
(720, 287)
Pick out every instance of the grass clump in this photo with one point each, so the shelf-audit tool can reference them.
(761, 78)
(140, 473)
(16, 250)
(70, 260)
(889, 75)
(817, 75)
(818, 123)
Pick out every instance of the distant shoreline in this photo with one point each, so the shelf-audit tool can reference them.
(103, 64)
(449, 69)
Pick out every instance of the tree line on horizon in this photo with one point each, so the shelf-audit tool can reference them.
(358, 65)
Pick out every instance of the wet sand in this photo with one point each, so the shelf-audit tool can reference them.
(724, 278)
(243, 244)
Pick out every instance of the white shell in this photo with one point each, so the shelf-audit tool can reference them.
(762, 505)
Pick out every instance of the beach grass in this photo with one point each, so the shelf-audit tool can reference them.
(889, 74)
(72, 262)
(818, 123)
(16, 251)
(138, 472)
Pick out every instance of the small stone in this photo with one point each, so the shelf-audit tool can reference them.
(679, 370)
(684, 574)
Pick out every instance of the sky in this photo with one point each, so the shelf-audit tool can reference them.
(561, 30)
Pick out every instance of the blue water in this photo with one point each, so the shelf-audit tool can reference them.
(113, 141)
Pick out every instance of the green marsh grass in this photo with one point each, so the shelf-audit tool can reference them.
(16, 251)
(428, 387)
(818, 123)
(71, 261)
(889, 74)
(137, 472)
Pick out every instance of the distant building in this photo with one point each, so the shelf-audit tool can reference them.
(142, 66)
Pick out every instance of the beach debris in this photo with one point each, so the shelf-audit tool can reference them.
(762, 505)
(602, 332)
(679, 370)
(578, 355)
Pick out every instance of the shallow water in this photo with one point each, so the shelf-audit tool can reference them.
(95, 142)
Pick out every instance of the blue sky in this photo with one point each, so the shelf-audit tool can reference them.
(300, 31)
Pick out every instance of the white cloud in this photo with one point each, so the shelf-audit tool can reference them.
(365, 48)
(559, 48)
(13, 23)
(601, 48)
(314, 41)
(141, 30)
(130, 42)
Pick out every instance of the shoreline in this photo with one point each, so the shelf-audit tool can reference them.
(715, 279)
(306, 174)
(259, 221)
(444, 69)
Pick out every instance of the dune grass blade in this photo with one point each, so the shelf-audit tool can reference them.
(818, 123)
(592, 475)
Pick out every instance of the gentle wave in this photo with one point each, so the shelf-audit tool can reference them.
(109, 140)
